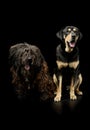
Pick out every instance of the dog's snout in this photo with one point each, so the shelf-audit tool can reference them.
(30, 60)
(73, 36)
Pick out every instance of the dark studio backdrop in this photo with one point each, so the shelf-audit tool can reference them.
(39, 27)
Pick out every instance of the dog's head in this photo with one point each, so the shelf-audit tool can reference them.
(70, 35)
(25, 55)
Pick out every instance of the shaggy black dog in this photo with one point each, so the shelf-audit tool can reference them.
(29, 71)
(68, 63)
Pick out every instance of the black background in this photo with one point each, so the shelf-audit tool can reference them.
(37, 24)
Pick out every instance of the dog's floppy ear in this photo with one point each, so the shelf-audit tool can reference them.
(80, 36)
(60, 34)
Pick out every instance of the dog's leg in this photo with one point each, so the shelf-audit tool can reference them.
(59, 88)
(77, 85)
(72, 90)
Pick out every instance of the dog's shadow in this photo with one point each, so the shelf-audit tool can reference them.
(66, 105)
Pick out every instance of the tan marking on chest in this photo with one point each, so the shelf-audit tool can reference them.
(61, 64)
(74, 64)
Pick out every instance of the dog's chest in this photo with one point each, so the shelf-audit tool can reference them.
(67, 60)
(67, 74)
(72, 64)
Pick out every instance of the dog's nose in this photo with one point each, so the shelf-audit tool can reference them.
(73, 36)
(30, 60)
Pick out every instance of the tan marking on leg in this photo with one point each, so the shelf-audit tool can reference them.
(59, 90)
(55, 80)
(72, 90)
(78, 85)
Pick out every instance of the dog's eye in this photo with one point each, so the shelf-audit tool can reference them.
(69, 29)
(74, 29)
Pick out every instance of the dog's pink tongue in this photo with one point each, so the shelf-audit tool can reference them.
(72, 44)
(27, 67)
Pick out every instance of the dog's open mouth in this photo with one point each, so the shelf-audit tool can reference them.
(72, 44)
(27, 67)
(28, 64)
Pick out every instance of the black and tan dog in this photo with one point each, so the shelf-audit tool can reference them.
(67, 54)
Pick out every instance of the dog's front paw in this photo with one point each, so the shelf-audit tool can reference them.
(79, 92)
(73, 97)
(57, 98)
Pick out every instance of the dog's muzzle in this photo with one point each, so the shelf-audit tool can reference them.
(72, 43)
(28, 64)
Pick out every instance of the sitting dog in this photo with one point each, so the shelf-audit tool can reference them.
(68, 63)
(29, 71)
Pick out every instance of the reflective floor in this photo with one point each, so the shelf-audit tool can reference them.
(32, 114)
